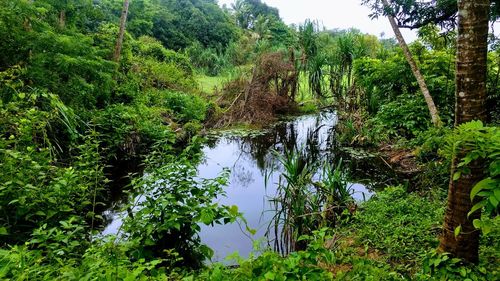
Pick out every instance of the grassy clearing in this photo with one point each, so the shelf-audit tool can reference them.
(208, 84)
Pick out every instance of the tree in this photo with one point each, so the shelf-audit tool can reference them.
(247, 12)
(178, 24)
(470, 79)
(119, 41)
(241, 13)
(414, 67)
(415, 14)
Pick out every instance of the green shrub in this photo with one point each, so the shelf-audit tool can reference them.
(152, 48)
(174, 203)
(309, 264)
(440, 266)
(383, 80)
(36, 188)
(186, 107)
(406, 116)
(162, 75)
(471, 142)
(357, 131)
(429, 142)
(71, 67)
(129, 130)
(210, 61)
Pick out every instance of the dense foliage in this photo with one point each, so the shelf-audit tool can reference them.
(73, 121)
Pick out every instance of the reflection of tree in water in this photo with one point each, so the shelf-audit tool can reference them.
(240, 173)
(314, 136)
(309, 134)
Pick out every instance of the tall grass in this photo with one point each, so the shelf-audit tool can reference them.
(311, 194)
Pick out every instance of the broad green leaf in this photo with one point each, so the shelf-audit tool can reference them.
(458, 229)
(270, 275)
(463, 272)
(477, 207)
(484, 184)
(493, 201)
(207, 216)
(496, 192)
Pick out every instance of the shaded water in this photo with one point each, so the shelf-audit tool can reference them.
(255, 173)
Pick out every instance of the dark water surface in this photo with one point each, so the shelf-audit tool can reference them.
(251, 157)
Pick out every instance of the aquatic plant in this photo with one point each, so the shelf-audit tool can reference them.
(307, 199)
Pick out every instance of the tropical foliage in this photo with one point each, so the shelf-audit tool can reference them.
(79, 129)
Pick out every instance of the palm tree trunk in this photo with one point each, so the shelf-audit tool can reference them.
(414, 68)
(470, 80)
(119, 41)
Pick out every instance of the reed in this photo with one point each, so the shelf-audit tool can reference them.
(310, 194)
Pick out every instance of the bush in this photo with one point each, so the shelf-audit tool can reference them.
(152, 48)
(406, 116)
(128, 131)
(174, 203)
(472, 142)
(36, 188)
(309, 264)
(186, 107)
(162, 75)
(208, 60)
(383, 80)
(71, 67)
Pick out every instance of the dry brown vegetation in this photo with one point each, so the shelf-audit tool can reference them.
(259, 97)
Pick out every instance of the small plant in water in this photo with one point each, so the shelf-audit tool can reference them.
(307, 199)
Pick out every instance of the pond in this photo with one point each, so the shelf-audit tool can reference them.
(251, 158)
(255, 173)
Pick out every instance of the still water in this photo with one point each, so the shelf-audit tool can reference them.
(255, 171)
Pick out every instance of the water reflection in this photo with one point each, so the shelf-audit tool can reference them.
(255, 172)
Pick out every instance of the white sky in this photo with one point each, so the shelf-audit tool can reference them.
(333, 14)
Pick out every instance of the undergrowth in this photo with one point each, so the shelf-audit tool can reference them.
(392, 237)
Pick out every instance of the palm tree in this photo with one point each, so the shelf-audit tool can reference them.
(311, 62)
(242, 13)
(470, 79)
(414, 67)
(347, 45)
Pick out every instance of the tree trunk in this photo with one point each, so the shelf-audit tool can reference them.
(62, 19)
(470, 105)
(414, 68)
(119, 41)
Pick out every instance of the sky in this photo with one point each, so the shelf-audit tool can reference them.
(333, 14)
